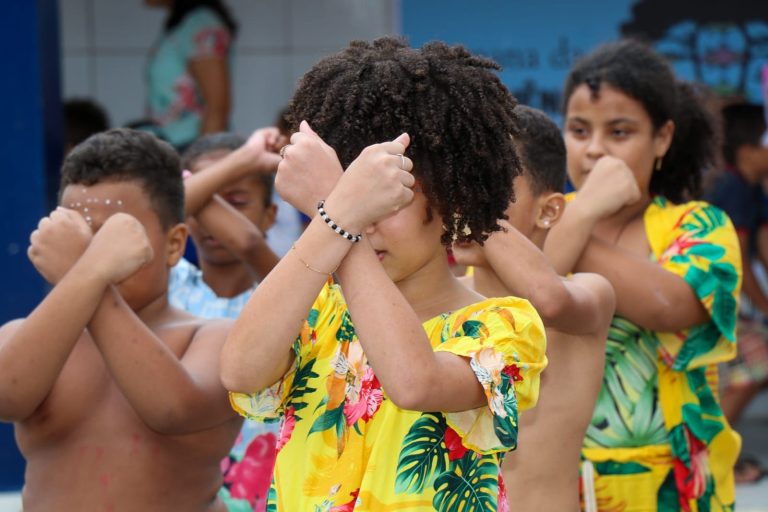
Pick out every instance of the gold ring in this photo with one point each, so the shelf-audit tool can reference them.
(282, 150)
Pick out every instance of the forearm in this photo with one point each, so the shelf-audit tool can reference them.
(215, 118)
(152, 378)
(526, 273)
(239, 236)
(33, 356)
(201, 186)
(394, 341)
(568, 239)
(646, 293)
(257, 352)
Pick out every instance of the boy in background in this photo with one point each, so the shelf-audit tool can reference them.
(542, 474)
(229, 193)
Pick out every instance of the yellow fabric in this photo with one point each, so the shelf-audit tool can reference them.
(658, 439)
(344, 444)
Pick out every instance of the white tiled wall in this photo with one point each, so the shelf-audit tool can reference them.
(105, 43)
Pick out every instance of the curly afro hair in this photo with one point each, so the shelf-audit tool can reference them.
(638, 71)
(452, 104)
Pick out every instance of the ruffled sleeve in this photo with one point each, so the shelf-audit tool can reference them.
(203, 34)
(505, 342)
(697, 242)
(270, 404)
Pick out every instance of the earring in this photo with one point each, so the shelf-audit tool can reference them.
(658, 163)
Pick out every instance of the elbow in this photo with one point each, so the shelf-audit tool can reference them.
(550, 304)
(14, 412)
(409, 394)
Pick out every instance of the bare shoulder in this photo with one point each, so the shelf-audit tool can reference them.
(9, 328)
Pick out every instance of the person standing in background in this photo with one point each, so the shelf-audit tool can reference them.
(187, 76)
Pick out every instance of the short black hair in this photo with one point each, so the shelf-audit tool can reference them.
(451, 103)
(743, 125)
(636, 70)
(82, 118)
(122, 154)
(541, 148)
(228, 141)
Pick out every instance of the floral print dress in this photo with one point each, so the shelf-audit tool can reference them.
(658, 440)
(174, 101)
(345, 446)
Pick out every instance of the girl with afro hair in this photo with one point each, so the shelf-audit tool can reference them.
(405, 390)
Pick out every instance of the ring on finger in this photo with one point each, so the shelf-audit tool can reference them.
(282, 150)
(402, 161)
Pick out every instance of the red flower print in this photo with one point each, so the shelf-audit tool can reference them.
(350, 505)
(250, 478)
(513, 371)
(691, 481)
(369, 398)
(456, 450)
(286, 429)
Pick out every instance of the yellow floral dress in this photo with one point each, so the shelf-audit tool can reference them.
(658, 440)
(345, 446)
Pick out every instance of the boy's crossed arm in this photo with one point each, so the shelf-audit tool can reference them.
(33, 350)
(581, 304)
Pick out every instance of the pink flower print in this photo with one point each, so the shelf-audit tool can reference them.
(250, 478)
(286, 429)
(363, 398)
(679, 246)
(503, 505)
(456, 449)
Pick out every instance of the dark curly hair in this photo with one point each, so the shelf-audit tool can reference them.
(542, 150)
(453, 105)
(638, 71)
(122, 154)
(229, 141)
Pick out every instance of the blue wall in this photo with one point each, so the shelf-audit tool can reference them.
(30, 150)
(537, 42)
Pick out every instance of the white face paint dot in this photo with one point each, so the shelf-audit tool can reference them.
(85, 209)
(107, 201)
(119, 202)
(78, 205)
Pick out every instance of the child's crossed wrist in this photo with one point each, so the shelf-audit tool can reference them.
(335, 227)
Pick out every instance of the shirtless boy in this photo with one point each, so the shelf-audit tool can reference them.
(115, 396)
(543, 473)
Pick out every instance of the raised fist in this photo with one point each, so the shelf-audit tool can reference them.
(58, 242)
(119, 248)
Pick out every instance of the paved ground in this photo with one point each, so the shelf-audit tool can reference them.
(749, 498)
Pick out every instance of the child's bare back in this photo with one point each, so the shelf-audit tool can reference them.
(551, 434)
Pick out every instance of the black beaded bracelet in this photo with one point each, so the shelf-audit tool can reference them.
(346, 234)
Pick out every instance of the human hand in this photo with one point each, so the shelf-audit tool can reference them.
(262, 148)
(119, 248)
(58, 242)
(610, 186)
(308, 171)
(377, 184)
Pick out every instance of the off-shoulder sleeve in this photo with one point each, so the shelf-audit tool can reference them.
(269, 404)
(505, 342)
(698, 242)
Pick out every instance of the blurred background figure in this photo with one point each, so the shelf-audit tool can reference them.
(188, 74)
(83, 117)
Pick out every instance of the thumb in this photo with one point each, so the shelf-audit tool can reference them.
(305, 128)
(403, 139)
